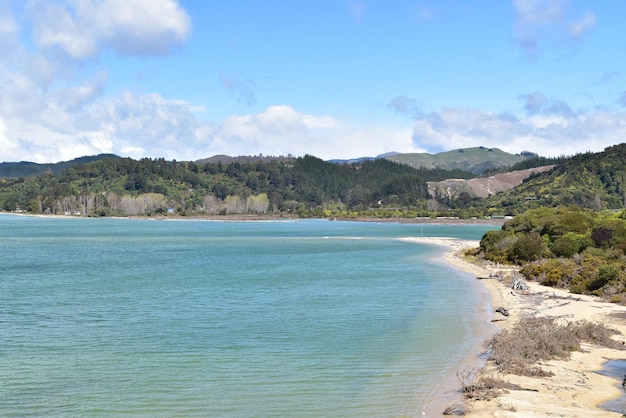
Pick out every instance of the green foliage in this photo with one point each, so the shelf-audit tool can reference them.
(306, 186)
(556, 272)
(568, 244)
(475, 160)
(28, 169)
(566, 247)
(496, 245)
(528, 247)
(592, 180)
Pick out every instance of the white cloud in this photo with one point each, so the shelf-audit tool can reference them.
(537, 103)
(80, 95)
(80, 29)
(282, 130)
(545, 21)
(52, 84)
(278, 130)
(10, 149)
(9, 31)
(577, 29)
(548, 134)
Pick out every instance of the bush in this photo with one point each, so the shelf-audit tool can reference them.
(497, 245)
(528, 247)
(567, 245)
(555, 272)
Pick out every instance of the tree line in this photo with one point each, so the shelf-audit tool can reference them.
(304, 185)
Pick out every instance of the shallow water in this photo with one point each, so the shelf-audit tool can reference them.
(617, 370)
(198, 318)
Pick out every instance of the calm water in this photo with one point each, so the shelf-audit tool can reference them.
(227, 319)
(617, 370)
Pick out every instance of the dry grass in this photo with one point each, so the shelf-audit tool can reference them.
(537, 339)
(529, 342)
(485, 387)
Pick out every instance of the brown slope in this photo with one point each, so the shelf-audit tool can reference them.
(483, 186)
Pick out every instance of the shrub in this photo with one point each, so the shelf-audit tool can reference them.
(567, 245)
(555, 272)
(497, 245)
(602, 236)
(594, 333)
(528, 247)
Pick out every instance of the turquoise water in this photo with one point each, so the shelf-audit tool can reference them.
(102, 317)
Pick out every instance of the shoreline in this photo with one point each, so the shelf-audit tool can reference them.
(270, 217)
(577, 389)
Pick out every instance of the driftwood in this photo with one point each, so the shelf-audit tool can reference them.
(519, 284)
(502, 310)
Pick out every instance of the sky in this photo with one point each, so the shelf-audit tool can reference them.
(189, 79)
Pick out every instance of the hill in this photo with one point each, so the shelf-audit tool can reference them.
(591, 180)
(361, 159)
(476, 160)
(304, 186)
(308, 186)
(28, 169)
(483, 187)
(243, 159)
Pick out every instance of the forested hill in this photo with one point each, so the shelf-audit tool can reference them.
(123, 186)
(476, 160)
(591, 180)
(307, 186)
(28, 169)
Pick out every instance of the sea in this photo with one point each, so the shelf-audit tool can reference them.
(287, 318)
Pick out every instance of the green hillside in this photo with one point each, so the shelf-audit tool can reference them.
(591, 180)
(308, 186)
(476, 160)
(305, 186)
(28, 169)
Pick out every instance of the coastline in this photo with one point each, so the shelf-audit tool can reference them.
(576, 390)
(271, 217)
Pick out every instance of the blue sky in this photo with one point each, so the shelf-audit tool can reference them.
(189, 79)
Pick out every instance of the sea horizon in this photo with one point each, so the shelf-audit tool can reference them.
(286, 317)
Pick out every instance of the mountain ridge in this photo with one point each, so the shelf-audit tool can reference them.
(474, 159)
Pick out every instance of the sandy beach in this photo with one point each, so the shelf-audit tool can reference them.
(575, 389)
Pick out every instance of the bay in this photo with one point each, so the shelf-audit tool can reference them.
(125, 317)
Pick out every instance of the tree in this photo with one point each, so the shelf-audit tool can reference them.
(528, 247)
(258, 204)
(567, 245)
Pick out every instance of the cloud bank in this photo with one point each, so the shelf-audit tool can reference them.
(54, 105)
(81, 29)
(548, 128)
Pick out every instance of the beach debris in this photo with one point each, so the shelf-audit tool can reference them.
(519, 284)
(455, 408)
(502, 310)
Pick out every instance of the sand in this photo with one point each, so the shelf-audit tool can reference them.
(575, 390)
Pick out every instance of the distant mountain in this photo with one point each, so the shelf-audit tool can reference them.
(243, 159)
(362, 159)
(476, 160)
(28, 169)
